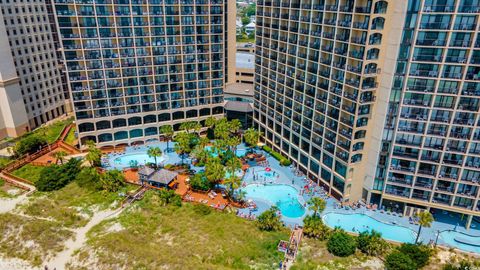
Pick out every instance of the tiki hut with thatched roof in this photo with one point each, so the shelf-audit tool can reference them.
(160, 178)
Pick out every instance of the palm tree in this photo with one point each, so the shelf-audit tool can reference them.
(219, 146)
(94, 155)
(59, 156)
(210, 122)
(235, 125)
(234, 182)
(425, 219)
(183, 144)
(214, 170)
(221, 130)
(233, 165)
(154, 152)
(200, 153)
(316, 204)
(185, 126)
(196, 127)
(203, 141)
(251, 137)
(168, 132)
(232, 142)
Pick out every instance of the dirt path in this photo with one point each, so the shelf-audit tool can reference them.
(59, 262)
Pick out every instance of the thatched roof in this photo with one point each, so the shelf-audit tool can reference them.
(163, 176)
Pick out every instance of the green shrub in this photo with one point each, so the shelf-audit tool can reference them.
(89, 178)
(313, 227)
(420, 254)
(202, 209)
(268, 220)
(112, 180)
(56, 177)
(341, 244)
(29, 144)
(463, 265)
(200, 182)
(399, 261)
(283, 160)
(169, 197)
(371, 243)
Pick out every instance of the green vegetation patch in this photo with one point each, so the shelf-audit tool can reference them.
(70, 139)
(155, 236)
(283, 160)
(4, 161)
(313, 254)
(29, 172)
(52, 132)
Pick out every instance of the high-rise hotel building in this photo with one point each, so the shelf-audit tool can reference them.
(32, 88)
(374, 99)
(135, 65)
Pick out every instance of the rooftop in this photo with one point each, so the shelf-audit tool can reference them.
(163, 176)
(241, 89)
(238, 106)
(245, 60)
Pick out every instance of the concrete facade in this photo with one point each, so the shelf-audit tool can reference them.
(31, 91)
(136, 65)
(375, 100)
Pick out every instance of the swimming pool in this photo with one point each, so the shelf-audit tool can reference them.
(123, 161)
(461, 240)
(285, 197)
(238, 152)
(359, 222)
(238, 173)
(262, 176)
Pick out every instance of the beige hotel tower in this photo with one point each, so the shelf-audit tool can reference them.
(375, 99)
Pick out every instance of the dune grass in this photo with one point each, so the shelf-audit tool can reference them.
(29, 172)
(70, 205)
(45, 222)
(313, 254)
(156, 236)
(30, 239)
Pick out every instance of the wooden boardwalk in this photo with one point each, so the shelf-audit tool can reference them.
(293, 245)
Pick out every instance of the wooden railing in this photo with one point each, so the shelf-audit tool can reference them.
(16, 178)
(5, 172)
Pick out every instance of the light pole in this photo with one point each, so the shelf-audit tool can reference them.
(436, 239)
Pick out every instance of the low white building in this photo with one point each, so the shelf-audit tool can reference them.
(250, 28)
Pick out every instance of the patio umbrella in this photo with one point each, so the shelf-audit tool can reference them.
(268, 169)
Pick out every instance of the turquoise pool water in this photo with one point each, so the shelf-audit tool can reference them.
(283, 196)
(461, 241)
(264, 175)
(360, 222)
(241, 152)
(238, 153)
(238, 173)
(123, 161)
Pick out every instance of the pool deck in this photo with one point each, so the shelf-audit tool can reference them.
(287, 176)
